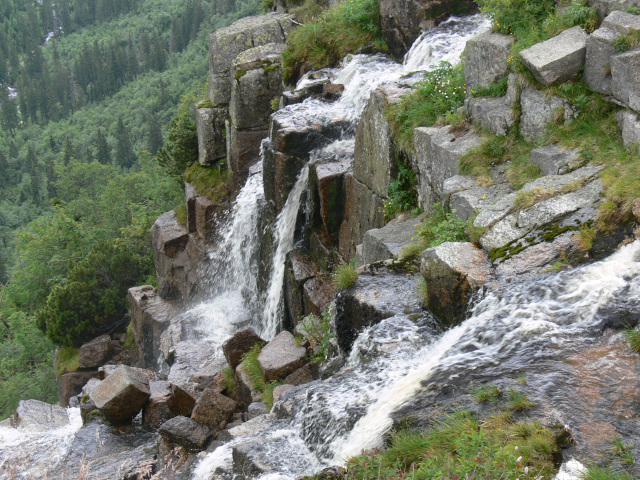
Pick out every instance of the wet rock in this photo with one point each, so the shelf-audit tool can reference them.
(213, 409)
(243, 150)
(34, 415)
(212, 146)
(620, 312)
(625, 71)
(306, 374)
(558, 59)
(96, 352)
(327, 181)
(387, 242)
(226, 44)
(553, 159)
(486, 59)
(538, 111)
(256, 409)
(403, 20)
(318, 293)
(279, 391)
(157, 411)
(453, 271)
(207, 214)
(375, 155)
(332, 91)
(249, 459)
(281, 356)
(239, 344)
(299, 268)
(253, 426)
(245, 393)
(313, 88)
(106, 370)
(70, 384)
(630, 126)
(183, 398)
(121, 395)
(363, 211)
(186, 432)
(206, 374)
(538, 258)
(436, 159)
(371, 299)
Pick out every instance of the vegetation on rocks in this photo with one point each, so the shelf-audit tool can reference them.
(317, 331)
(401, 191)
(442, 226)
(344, 28)
(212, 182)
(345, 275)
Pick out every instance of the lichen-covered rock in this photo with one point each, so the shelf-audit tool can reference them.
(403, 20)
(168, 236)
(466, 203)
(486, 59)
(554, 160)
(537, 258)
(150, 316)
(213, 409)
(625, 72)
(384, 243)
(318, 293)
(281, 356)
(630, 126)
(186, 432)
(453, 271)
(538, 110)
(122, 394)
(239, 344)
(210, 126)
(558, 59)
(34, 415)
(225, 44)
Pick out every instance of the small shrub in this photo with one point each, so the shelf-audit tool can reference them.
(633, 337)
(518, 401)
(345, 275)
(68, 359)
(633, 10)
(317, 330)
(487, 393)
(442, 226)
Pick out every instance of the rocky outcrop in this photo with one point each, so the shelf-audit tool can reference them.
(486, 59)
(403, 20)
(453, 272)
(121, 395)
(96, 352)
(539, 110)
(212, 145)
(281, 356)
(186, 432)
(327, 183)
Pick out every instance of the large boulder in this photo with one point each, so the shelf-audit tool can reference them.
(34, 415)
(226, 44)
(213, 409)
(239, 344)
(122, 394)
(453, 271)
(281, 356)
(486, 58)
(212, 145)
(625, 72)
(403, 20)
(558, 59)
(554, 159)
(186, 432)
(96, 352)
(539, 110)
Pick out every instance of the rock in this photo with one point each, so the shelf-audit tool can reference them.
(122, 394)
(436, 159)
(486, 59)
(625, 71)
(374, 297)
(254, 425)
(281, 356)
(299, 268)
(206, 374)
(245, 393)
(453, 271)
(70, 384)
(207, 214)
(34, 415)
(312, 88)
(213, 409)
(168, 236)
(403, 20)
(256, 409)
(186, 432)
(363, 211)
(636, 209)
(279, 390)
(327, 182)
(249, 459)
(306, 374)
(375, 155)
(86, 408)
(558, 59)
(467, 203)
(538, 111)
(89, 386)
(537, 258)
(492, 113)
(554, 160)
(457, 183)
(183, 399)
(210, 125)
(621, 22)
(606, 7)
(332, 91)
(239, 344)
(226, 44)
(597, 68)
(630, 126)
(318, 293)
(157, 411)
(106, 370)
(387, 242)
(243, 151)
(96, 352)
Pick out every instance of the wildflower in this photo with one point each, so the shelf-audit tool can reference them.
(526, 470)
(519, 458)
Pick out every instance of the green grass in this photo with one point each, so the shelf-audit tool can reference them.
(518, 401)
(68, 358)
(487, 393)
(342, 29)
(317, 331)
(461, 446)
(599, 473)
(211, 182)
(129, 340)
(252, 368)
(496, 89)
(345, 275)
(626, 42)
(181, 214)
(633, 337)
(621, 451)
(229, 381)
(267, 394)
(442, 226)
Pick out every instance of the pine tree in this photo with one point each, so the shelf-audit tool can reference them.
(103, 152)
(154, 140)
(125, 156)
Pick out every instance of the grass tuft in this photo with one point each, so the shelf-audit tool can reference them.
(633, 337)
(229, 381)
(518, 401)
(212, 182)
(68, 359)
(345, 275)
(252, 368)
(487, 393)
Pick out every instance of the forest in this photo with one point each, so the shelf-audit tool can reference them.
(90, 91)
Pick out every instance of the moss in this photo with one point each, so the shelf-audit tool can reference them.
(212, 182)
(67, 360)
(129, 340)
(239, 74)
(205, 104)
(507, 251)
(271, 68)
(552, 230)
(181, 214)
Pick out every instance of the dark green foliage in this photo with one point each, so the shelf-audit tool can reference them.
(517, 17)
(442, 226)
(401, 190)
(496, 89)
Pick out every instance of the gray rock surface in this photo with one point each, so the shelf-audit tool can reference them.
(318, 293)
(554, 160)
(384, 243)
(34, 415)
(327, 181)
(630, 126)
(213, 409)
(256, 409)
(492, 113)
(306, 374)
(299, 267)
(122, 394)
(538, 110)
(625, 72)
(254, 425)
(467, 203)
(279, 390)
(538, 257)
(239, 344)
(96, 352)
(245, 393)
(70, 384)
(157, 410)
(486, 59)
(186, 432)
(281, 356)
(210, 126)
(606, 7)
(558, 59)
(453, 271)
